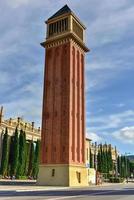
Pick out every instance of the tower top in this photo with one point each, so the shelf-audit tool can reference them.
(61, 13)
(65, 9)
(65, 24)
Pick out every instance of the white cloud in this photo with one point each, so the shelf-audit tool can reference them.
(94, 137)
(111, 121)
(120, 105)
(29, 108)
(108, 21)
(126, 135)
(17, 3)
(112, 22)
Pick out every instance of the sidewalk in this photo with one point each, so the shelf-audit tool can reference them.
(26, 187)
(17, 182)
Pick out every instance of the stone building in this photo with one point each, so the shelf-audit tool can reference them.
(32, 133)
(94, 147)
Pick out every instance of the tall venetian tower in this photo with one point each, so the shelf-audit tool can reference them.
(63, 116)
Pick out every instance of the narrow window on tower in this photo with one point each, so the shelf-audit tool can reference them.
(60, 26)
(66, 24)
(54, 28)
(50, 29)
(53, 172)
(79, 177)
(78, 174)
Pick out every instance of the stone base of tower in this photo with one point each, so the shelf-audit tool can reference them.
(63, 175)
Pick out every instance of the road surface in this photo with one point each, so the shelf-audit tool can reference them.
(112, 192)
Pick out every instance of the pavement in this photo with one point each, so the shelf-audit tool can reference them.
(104, 192)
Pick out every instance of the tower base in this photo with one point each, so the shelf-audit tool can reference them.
(63, 175)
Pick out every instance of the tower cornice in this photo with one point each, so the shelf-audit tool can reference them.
(51, 42)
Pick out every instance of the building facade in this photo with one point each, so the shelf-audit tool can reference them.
(32, 133)
(91, 153)
(63, 117)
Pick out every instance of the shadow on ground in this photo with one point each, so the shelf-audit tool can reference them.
(73, 192)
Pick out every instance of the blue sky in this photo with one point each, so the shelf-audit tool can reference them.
(109, 65)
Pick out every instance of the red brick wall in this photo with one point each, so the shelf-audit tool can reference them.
(63, 117)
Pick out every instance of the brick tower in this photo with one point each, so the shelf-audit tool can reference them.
(63, 116)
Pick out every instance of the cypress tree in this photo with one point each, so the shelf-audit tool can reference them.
(132, 167)
(27, 157)
(101, 159)
(36, 159)
(91, 159)
(110, 161)
(11, 153)
(5, 154)
(119, 165)
(105, 161)
(15, 155)
(99, 167)
(31, 160)
(123, 167)
(128, 168)
(22, 153)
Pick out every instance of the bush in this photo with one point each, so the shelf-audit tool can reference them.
(116, 180)
(22, 177)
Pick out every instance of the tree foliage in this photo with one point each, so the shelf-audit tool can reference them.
(31, 159)
(105, 162)
(36, 159)
(5, 154)
(15, 153)
(20, 157)
(22, 154)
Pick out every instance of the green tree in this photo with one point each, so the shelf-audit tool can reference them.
(27, 156)
(22, 153)
(110, 161)
(31, 159)
(123, 166)
(119, 165)
(36, 159)
(99, 163)
(15, 153)
(5, 154)
(91, 159)
(105, 161)
(11, 152)
(132, 168)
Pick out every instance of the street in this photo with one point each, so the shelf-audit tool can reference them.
(112, 192)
